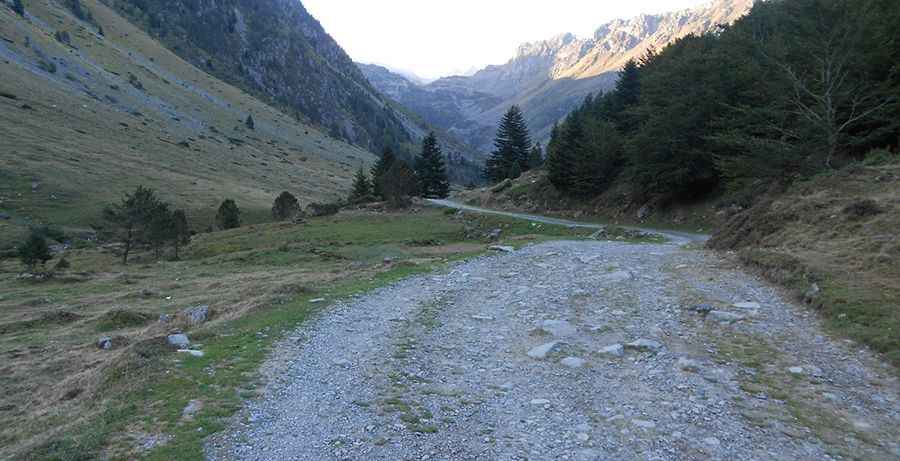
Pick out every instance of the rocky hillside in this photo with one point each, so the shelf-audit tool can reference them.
(549, 78)
(91, 106)
(274, 49)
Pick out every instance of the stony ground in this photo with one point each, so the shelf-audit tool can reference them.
(571, 350)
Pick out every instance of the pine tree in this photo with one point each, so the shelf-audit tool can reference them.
(19, 8)
(431, 170)
(380, 168)
(511, 145)
(362, 187)
(250, 123)
(536, 157)
(181, 231)
(161, 228)
(129, 221)
(562, 152)
(35, 250)
(286, 206)
(228, 216)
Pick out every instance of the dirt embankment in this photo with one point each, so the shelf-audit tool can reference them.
(834, 241)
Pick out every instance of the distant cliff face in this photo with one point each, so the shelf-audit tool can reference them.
(277, 50)
(549, 78)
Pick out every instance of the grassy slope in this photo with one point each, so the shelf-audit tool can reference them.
(73, 401)
(90, 135)
(814, 233)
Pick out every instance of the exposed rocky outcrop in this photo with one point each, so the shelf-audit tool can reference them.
(276, 50)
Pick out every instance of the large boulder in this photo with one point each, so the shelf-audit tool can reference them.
(195, 316)
(179, 340)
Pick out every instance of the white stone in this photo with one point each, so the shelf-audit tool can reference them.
(541, 352)
(540, 402)
(191, 352)
(796, 370)
(501, 248)
(725, 317)
(482, 317)
(572, 362)
(616, 350)
(317, 300)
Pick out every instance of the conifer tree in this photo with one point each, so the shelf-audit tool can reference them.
(362, 187)
(431, 170)
(181, 231)
(129, 221)
(251, 124)
(19, 8)
(562, 151)
(380, 168)
(399, 183)
(228, 216)
(511, 145)
(286, 206)
(161, 228)
(35, 250)
(536, 157)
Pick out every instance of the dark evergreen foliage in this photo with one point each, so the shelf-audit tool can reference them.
(181, 232)
(794, 88)
(431, 170)
(399, 184)
(19, 7)
(380, 169)
(130, 220)
(362, 187)
(285, 207)
(35, 251)
(250, 123)
(511, 145)
(535, 157)
(228, 216)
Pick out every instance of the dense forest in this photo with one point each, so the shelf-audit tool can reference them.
(793, 89)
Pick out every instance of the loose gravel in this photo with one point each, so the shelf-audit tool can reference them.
(571, 351)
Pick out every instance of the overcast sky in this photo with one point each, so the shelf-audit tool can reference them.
(434, 38)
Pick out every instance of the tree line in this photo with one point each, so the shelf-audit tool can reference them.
(392, 179)
(794, 88)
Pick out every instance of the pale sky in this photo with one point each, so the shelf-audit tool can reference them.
(434, 38)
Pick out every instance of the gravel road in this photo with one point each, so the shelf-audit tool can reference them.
(570, 351)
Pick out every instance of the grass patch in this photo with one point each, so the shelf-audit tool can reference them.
(259, 279)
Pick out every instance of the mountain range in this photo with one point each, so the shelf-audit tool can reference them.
(548, 78)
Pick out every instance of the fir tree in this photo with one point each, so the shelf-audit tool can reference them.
(536, 157)
(228, 216)
(181, 231)
(19, 8)
(286, 206)
(362, 187)
(562, 150)
(250, 123)
(35, 250)
(431, 170)
(380, 168)
(511, 145)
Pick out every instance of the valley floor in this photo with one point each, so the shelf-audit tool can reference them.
(571, 350)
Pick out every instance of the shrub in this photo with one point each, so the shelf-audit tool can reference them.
(35, 250)
(863, 209)
(878, 157)
(228, 216)
(324, 209)
(286, 206)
